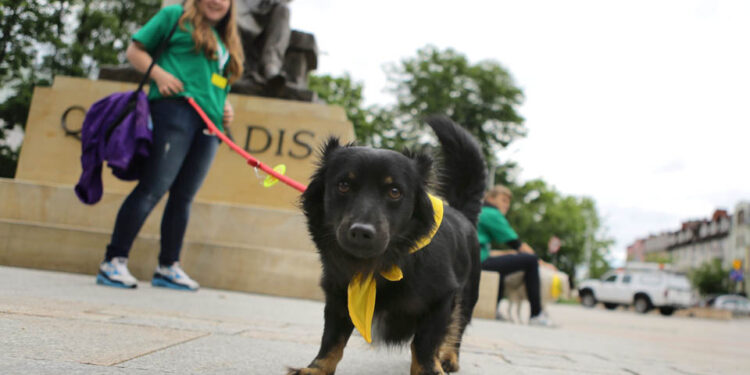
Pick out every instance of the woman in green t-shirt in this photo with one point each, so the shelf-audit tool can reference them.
(493, 228)
(200, 60)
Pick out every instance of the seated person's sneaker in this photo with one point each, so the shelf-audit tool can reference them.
(541, 320)
(173, 277)
(115, 273)
(499, 315)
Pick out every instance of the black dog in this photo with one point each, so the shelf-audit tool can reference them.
(370, 215)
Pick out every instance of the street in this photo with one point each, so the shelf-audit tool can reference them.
(55, 323)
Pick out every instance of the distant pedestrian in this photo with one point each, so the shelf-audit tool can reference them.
(200, 61)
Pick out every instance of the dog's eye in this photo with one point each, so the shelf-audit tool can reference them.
(344, 187)
(394, 193)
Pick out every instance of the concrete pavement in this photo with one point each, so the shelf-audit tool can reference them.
(58, 323)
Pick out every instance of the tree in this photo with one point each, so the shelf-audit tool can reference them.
(710, 278)
(23, 27)
(482, 97)
(597, 264)
(660, 257)
(41, 39)
(539, 212)
(100, 35)
(344, 92)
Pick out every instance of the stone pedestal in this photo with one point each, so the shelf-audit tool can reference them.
(274, 131)
(241, 236)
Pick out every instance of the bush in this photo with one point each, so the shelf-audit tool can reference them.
(711, 278)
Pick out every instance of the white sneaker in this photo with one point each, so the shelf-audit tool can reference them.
(115, 273)
(173, 277)
(541, 320)
(499, 316)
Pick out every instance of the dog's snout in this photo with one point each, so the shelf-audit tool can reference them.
(361, 234)
(361, 238)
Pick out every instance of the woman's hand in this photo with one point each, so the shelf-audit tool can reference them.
(499, 253)
(228, 112)
(167, 83)
(525, 248)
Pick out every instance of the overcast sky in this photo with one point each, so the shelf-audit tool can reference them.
(642, 105)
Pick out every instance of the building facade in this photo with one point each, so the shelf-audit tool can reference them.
(723, 236)
(697, 242)
(701, 241)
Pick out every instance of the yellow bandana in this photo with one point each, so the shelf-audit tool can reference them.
(361, 291)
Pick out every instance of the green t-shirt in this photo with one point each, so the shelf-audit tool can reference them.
(493, 227)
(181, 59)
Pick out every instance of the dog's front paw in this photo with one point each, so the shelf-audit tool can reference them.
(306, 371)
(449, 362)
(417, 369)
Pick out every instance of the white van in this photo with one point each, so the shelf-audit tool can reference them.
(644, 288)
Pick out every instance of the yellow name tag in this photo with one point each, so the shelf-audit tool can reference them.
(219, 81)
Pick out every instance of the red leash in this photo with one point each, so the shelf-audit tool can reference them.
(250, 159)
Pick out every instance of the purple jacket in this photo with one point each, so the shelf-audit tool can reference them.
(126, 149)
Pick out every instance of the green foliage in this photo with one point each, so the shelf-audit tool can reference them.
(481, 97)
(71, 37)
(14, 110)
(484, 99)
(102, 34)
(8, 161)
(41, 39)
(710, 278)
(539, 212)
(23, 27)
(344, 92)
(662, 257)
(598, 264)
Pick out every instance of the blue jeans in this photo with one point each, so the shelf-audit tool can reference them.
(181, 156)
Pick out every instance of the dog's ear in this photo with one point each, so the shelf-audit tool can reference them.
(424, 167)
(328, 147)
(423, 212)
(423, 163)
(312, 198)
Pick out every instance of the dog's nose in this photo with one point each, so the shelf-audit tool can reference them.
(361, 234)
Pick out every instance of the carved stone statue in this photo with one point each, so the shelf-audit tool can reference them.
(265, 31)
(277, 59)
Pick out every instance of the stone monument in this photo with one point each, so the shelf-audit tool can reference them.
(241, 235)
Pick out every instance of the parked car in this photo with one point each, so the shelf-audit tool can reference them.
(643, 288)
(737, 304)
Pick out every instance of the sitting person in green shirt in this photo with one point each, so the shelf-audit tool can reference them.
(493, 228)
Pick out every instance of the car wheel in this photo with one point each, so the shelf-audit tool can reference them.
(666, 310)
(610, 306)
(642, 304)
(588, 300)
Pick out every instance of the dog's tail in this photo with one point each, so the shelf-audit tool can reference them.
(462, 179)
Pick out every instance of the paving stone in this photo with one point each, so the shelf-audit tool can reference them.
(70, 340)
(222, 354)
(60, 323)
(12, 365)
